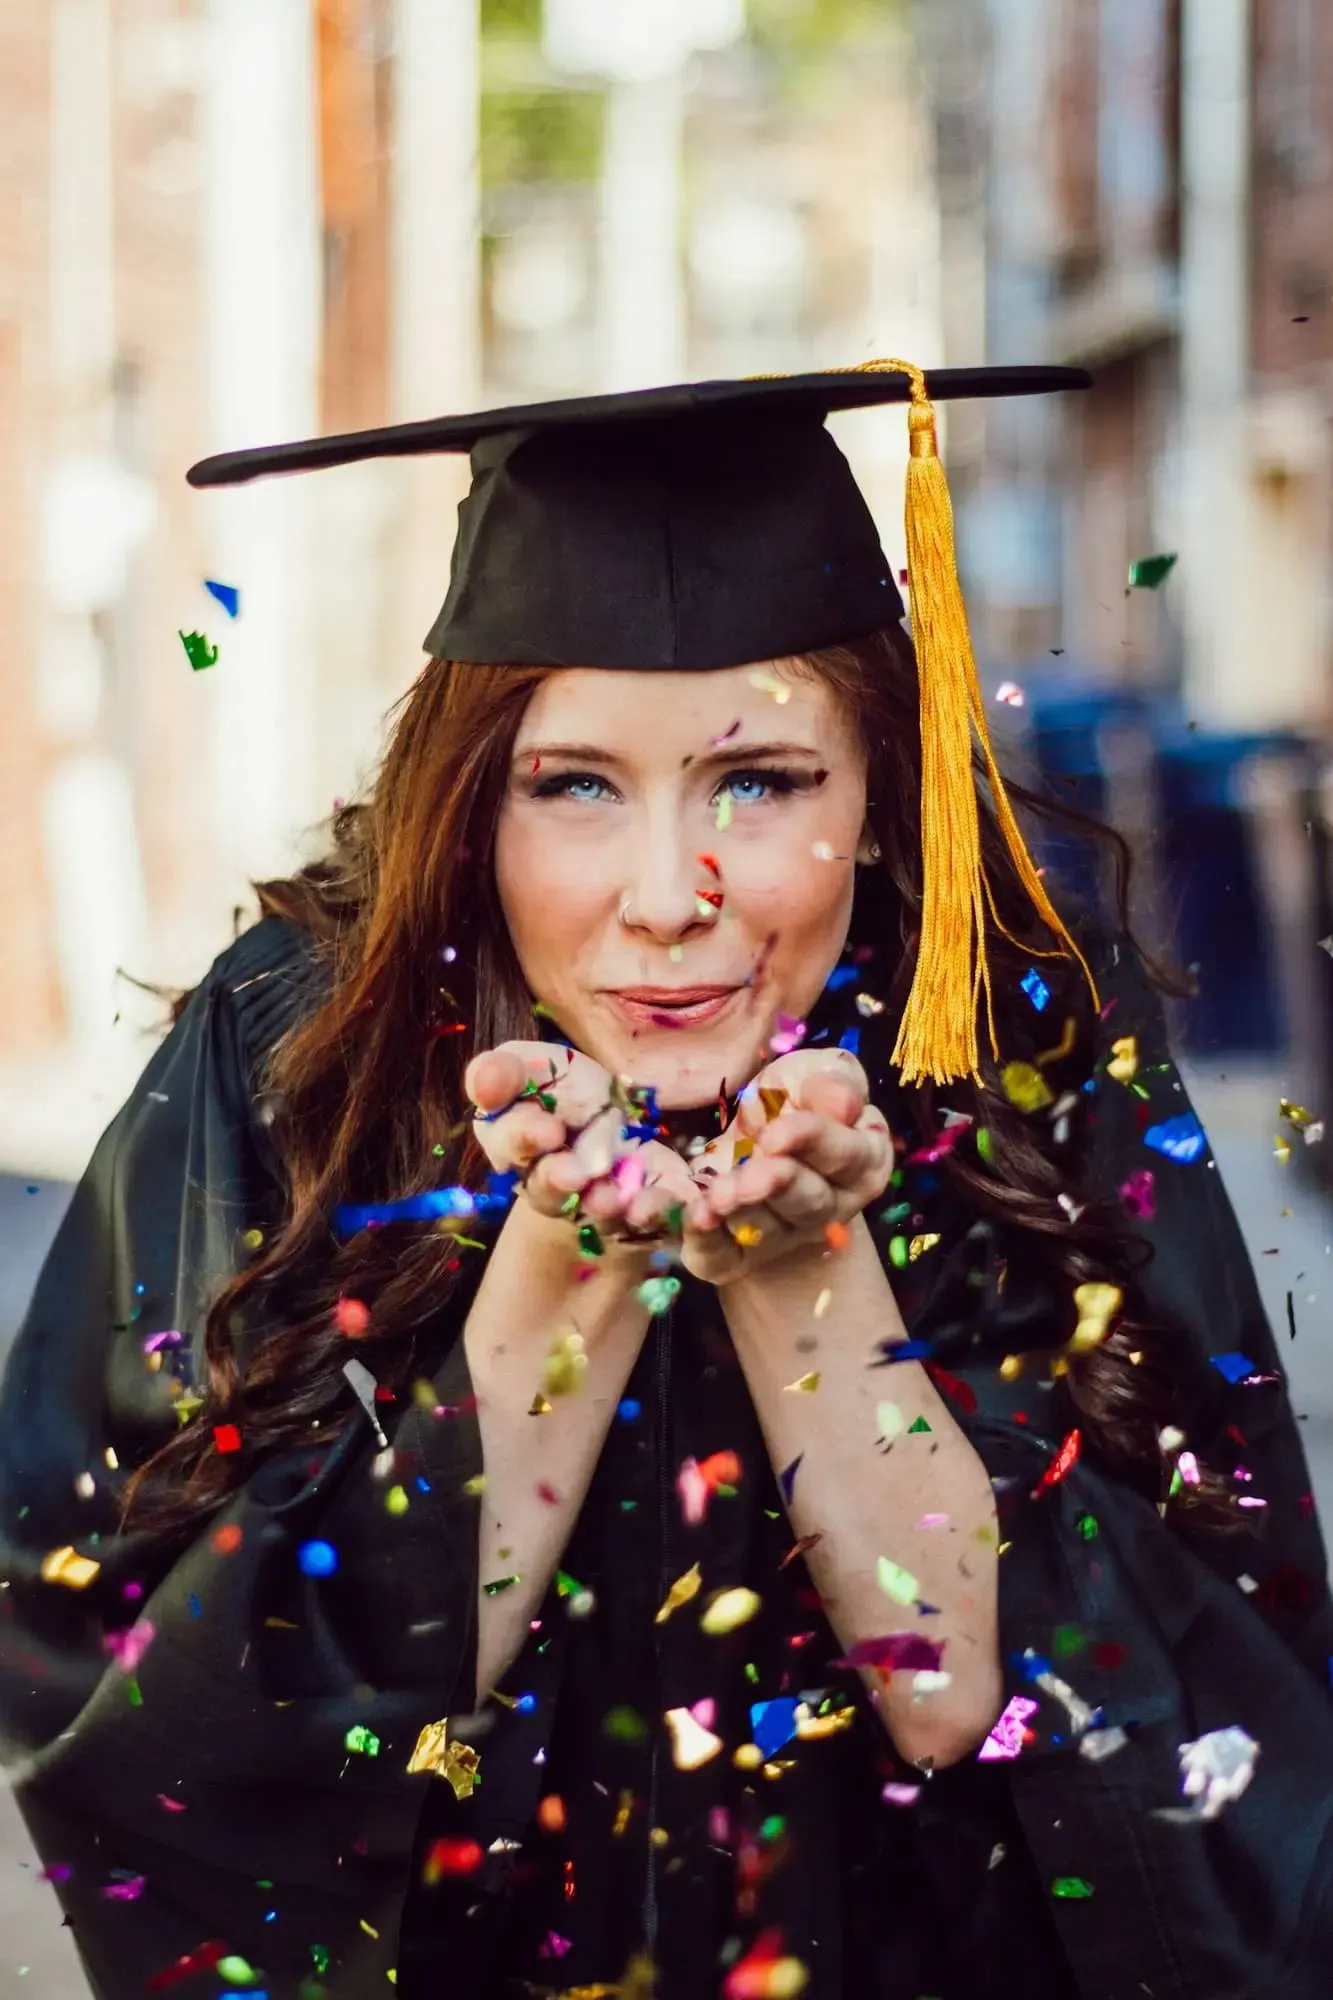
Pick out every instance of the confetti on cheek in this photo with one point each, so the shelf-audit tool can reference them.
(804, 1385)
(726, 809)
(788, 1034)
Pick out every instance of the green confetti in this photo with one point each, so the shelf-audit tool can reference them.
(919, 1425)
(1087, 1527)
(624, 1725)
(899, 1584)
(898, 1213)
(590, 1240)
(359, 1738)
(1072, 1888)
(234, 1970)
(1066, 1640)
(134, 1692)
(752, 1673)
(320, 1956)
(500, 1583)
(1150, 572)
(772, 1827)
(657, 1293)
(566, 1585)
(984, 1149)
(198, 651)
(898, 1252)
(570, 1204)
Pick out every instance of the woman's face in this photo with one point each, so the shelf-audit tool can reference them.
(628, 796)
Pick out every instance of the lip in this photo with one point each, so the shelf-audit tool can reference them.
(670, 1006)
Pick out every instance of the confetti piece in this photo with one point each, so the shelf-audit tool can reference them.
(658, 1293)
(1181, 1139)
(128, 1891)
(1281, 1149)
(1151, 572)
(362, 1741)
(1026, 1087)
(919, 1245)
(226, 594)
(1314, 1133)
(747, 1235)
(895, 1652)
(451, 1857)
(198, 651)
(895, 1582)
(941, 1147)
(1038, 992)
(1295, 1114)
(693, 1492)
(228, 1538)
(692, 1745)
(1123, 1063)
(822, 1303)
(458, 1763)
(1061, 1465)
(1235, 1366)
(822, 850)
(900, 1795)
(1215, 1770)
(1139, 1194)
(226, 1437)
(768, 683)
(1097, 1306)
(804, 1385)
(682, 1590)
(363, 1386)
(317, 1558)
(888, 1420)
(1326, 944)
(729, 1610)
(539, 1407)
(551, 1815)
(128, 1648)
(203, 1959)
(787, 1035)
(1071, 1888)
(917, 1426)
(1010, 693)
(773, 1723)
(766, 1973)
(726, 809)
(65, 1566)
(566, 1364)
(716, 742)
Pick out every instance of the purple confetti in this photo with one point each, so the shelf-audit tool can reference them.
(788, 1477)
(1139, 1194)
(1006, 1739)
(896, 1652)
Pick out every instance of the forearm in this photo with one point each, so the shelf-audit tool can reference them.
(925, 1503)
(538, 1467)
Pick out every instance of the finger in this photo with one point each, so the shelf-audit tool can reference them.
(844, 1156)
(495, 1078)
(521, 1137)
(800, 1199)
(835, 1093)
(553, 1180)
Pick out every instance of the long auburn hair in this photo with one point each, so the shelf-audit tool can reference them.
(421, 975)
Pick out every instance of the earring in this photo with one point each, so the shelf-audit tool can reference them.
(624, 909)
(874, 852)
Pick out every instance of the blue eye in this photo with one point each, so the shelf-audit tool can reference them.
(582, 787)
(751, 788)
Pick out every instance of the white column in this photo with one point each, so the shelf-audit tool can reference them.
(1223, 682)
(92, 515)
(262, 313)
(641, 285)
(436, 292)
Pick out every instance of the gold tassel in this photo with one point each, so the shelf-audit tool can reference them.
(938, 1034)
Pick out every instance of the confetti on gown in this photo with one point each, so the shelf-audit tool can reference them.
(691, 1744)
(1181, 1139)
(1235, 1366)
(729, 1610)
(1214, 1770)
(1025, 1087)
(682, 1590)
(1123, 1063)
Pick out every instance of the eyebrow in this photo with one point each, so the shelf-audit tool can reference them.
(593, 753)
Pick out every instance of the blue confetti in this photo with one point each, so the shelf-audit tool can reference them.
(196, 1609)
(495, 1198)
(227, 595)
(904, 1350)
(1234, 1366)
(1038, 992)
(850, 1039)
(630, 1410)
(773, 1723)
(317, 1558)
(841, 975)
(1181, 1138)
(788, 1477)
(526, 1704)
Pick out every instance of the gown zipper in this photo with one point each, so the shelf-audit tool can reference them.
(662, 1368)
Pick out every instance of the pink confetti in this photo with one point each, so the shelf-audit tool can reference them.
(1010, 693)
(59, 1871)
(126, 1892)
(895, 1652)
(171, 1805)
(900, 1795)
(629, 1172)
(719, 1826)
(705, 1712)
(554, 1946)
(128, 1648)
(155, 1342)
(941, 1147)
(727, 734)
(787, 1035)
(1188, 1466)
(1007, 1737)
(933, 1521)
(1139, 1194)
(694, 1492)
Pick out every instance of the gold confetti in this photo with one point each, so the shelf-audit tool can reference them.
(1064, 1047)
(772, 1100)
(1011, 1367)
(1295, 1114)
(1026, 1087)
(811, 1727)
(804, 1385)
(920, 1244)
(66, 1566)
(1281, 1149)
(566, 1364)
(747, 1234)
(477, 1484)
(1097, 1306)
(748, 1758)
(369, 1929)
(251, 1239)
(1124, 1062)
(682, 1590)
(768, 683)
(539, 1407)
(458, 1763)
(691, 1744)
(729, 1610)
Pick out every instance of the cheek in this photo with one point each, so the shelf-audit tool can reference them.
(552, 900)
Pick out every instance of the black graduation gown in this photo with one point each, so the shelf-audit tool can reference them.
(215, 1794)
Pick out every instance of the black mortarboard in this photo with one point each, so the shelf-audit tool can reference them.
(716, 524)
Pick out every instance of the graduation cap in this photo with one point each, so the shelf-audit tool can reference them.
(716, 524)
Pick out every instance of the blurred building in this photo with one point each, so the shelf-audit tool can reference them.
(1145, 187)
(233, 221)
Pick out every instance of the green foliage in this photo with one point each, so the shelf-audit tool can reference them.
(521, 18)
(802, 28)
(540, 135)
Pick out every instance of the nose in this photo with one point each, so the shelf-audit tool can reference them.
(659, 896)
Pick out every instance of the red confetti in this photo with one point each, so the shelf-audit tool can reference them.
(709, 861)
(201, 1960)
(721, 1468)
(949, 1385)
(1062, 1464)
(451, 1857)
(228, 1539)
(226, 1437)
(351, 1317)
(547, 1493)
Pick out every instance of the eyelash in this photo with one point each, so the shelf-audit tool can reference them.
(781, 783)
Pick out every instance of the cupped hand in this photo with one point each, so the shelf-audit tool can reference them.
(550, 1114)
(821, 1153)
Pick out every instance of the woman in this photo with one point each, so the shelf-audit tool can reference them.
(580, 1436)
